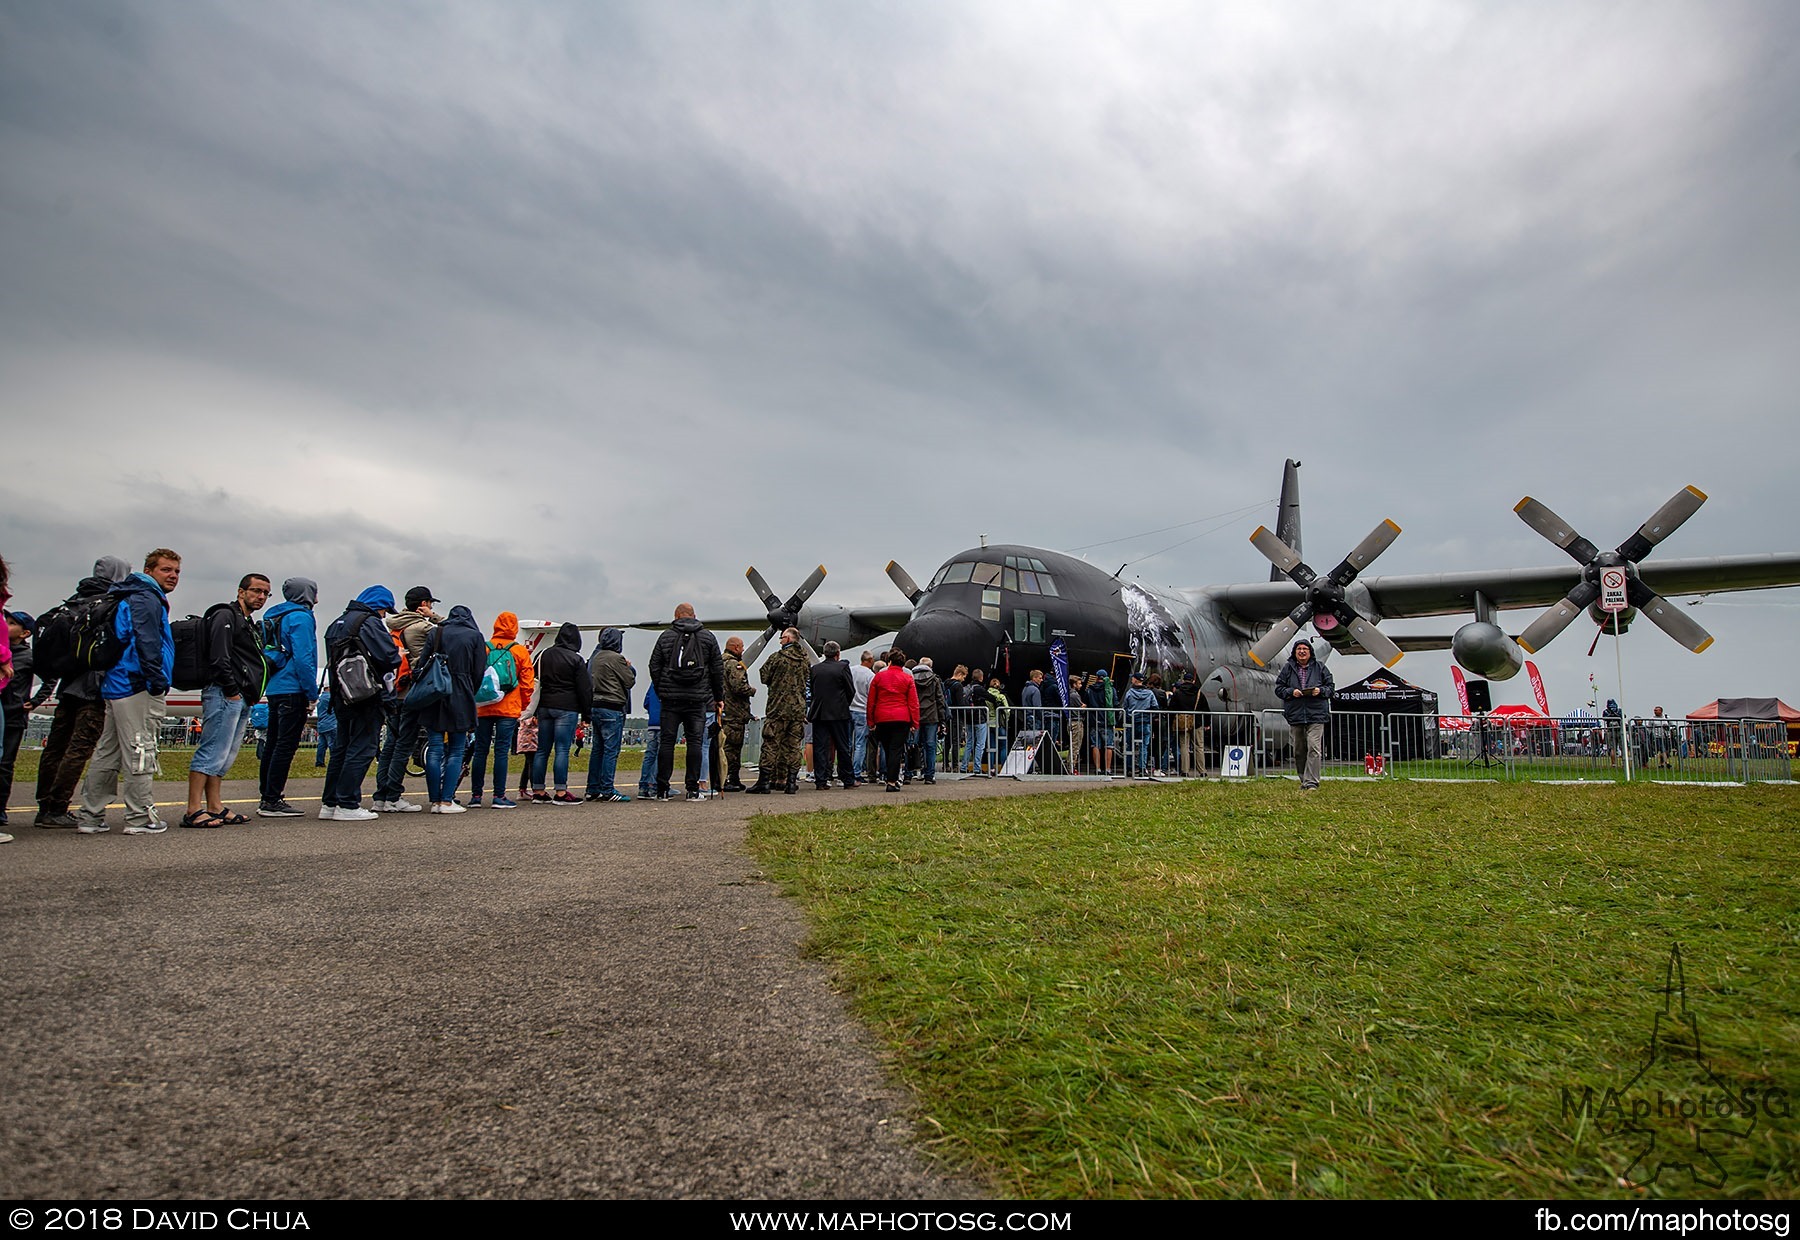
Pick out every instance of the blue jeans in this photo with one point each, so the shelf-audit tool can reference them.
(1143, 759)
(493, 732)
(977, 751)
(859, 740)
(555, 727)
(221, 731)
(603, 763)
(647, 775)
(706, 732)
(443, 765)
(928, 733)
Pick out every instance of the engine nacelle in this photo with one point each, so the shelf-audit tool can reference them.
(1483, 649)
(1605, 618)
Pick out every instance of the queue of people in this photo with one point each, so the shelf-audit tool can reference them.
(400, 681)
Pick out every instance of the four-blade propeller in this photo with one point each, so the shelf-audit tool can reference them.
(1664, 614)
(1323, 600)
(780, 615)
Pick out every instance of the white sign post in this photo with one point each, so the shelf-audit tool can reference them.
(1612, 599)
(1612, 589)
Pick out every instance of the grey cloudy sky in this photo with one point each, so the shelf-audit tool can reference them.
(577, 309)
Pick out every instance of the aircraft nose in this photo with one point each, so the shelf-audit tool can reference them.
(949, 637)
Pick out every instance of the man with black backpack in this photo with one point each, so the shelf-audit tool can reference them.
(134, 689)
(80, 712)
(234, 683)
(362, 661)
(689, 675)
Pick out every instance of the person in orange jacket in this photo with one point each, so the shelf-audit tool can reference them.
(497, 723)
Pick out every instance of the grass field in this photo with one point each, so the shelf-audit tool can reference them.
(1377, 990)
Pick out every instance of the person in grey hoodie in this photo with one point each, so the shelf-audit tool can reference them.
(613, 678)
(80, 715)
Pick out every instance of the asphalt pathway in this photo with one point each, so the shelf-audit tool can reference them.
(547, 1002)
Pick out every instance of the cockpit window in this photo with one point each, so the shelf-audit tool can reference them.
(1020, 574)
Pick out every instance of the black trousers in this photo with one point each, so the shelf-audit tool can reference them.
(831, 737)
(287, 720)
(893, 747)
(359, 734)
(692, 721)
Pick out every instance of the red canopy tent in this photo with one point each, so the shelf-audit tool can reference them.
(1762, 709)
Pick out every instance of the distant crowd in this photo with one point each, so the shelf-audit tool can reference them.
(400, 683)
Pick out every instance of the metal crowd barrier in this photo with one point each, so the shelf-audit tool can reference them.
(1557, 750)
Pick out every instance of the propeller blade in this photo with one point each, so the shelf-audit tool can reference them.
(1380, 539)
(1272, 643)
(770, 599)
(1538, 633)
(900, 577)
(806, 588)
(1282, 556)
(1668, 617)
(756, 647)
(1663, 522)
(1558, 531)
(1375, 642)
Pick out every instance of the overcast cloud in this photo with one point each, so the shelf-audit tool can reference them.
(577, 309)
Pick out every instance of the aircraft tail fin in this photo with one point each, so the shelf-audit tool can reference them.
(1287, 513)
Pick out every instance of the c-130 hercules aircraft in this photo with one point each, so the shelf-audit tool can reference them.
(1000, 607)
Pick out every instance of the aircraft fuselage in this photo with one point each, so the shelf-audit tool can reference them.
(1000, 607)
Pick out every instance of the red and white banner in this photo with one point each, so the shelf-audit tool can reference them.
(1537, 686)
(1462, 690)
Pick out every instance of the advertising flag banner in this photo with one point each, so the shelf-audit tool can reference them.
(1537, 686)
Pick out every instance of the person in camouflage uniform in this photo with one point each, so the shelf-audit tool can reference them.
(738, 692)
(784, 721)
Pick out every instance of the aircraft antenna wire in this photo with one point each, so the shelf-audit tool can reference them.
(1223, 519)
(1220, 516)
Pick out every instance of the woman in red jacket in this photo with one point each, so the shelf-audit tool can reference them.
(893, 713)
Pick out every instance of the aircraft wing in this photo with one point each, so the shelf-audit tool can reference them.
(1445, 594)
(1449, 594)
(887, 619)
(882, 618)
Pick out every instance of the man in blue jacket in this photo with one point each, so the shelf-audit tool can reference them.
(358, 631)
(291, 648)
(134, 690)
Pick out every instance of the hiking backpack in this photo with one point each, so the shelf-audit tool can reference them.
(79, 636)
(193, 655)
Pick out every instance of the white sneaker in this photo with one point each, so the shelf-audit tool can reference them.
(5, 838)
(327, 812)
(449, 807)
(155, 826)
(358, 814)
(380, 807)
(92, 828)
(402, 806)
